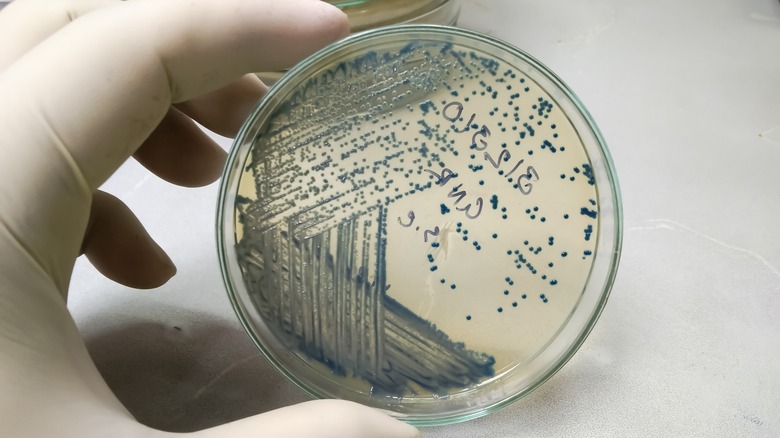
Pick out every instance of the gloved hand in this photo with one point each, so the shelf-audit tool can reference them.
(84, 84)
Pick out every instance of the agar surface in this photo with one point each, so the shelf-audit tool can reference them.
(421, 217)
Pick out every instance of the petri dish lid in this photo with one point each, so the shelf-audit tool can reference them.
(421, 219)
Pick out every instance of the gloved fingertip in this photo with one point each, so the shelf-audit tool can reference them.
(166, 267)
(338, 20)
(406, 431)
(399, 429)
(118, 246)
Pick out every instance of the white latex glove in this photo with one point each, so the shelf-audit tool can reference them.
(83, 85)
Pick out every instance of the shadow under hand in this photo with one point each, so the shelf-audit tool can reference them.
(188, 376)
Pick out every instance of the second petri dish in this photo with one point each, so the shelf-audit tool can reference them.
(367, 14)
(421, 219)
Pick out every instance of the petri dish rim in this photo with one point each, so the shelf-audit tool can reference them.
(608, 245)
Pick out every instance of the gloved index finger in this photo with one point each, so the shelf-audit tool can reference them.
(83, 100)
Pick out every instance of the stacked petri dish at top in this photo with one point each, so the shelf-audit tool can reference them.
(367, 14)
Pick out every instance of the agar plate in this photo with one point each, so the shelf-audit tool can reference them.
(421, 219)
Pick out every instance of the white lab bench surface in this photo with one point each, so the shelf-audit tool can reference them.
(687, 95)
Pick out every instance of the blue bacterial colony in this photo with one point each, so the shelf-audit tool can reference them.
(428, 149)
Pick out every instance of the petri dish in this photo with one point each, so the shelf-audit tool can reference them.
(422, 219)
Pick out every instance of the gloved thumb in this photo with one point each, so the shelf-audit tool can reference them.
(320, 419)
